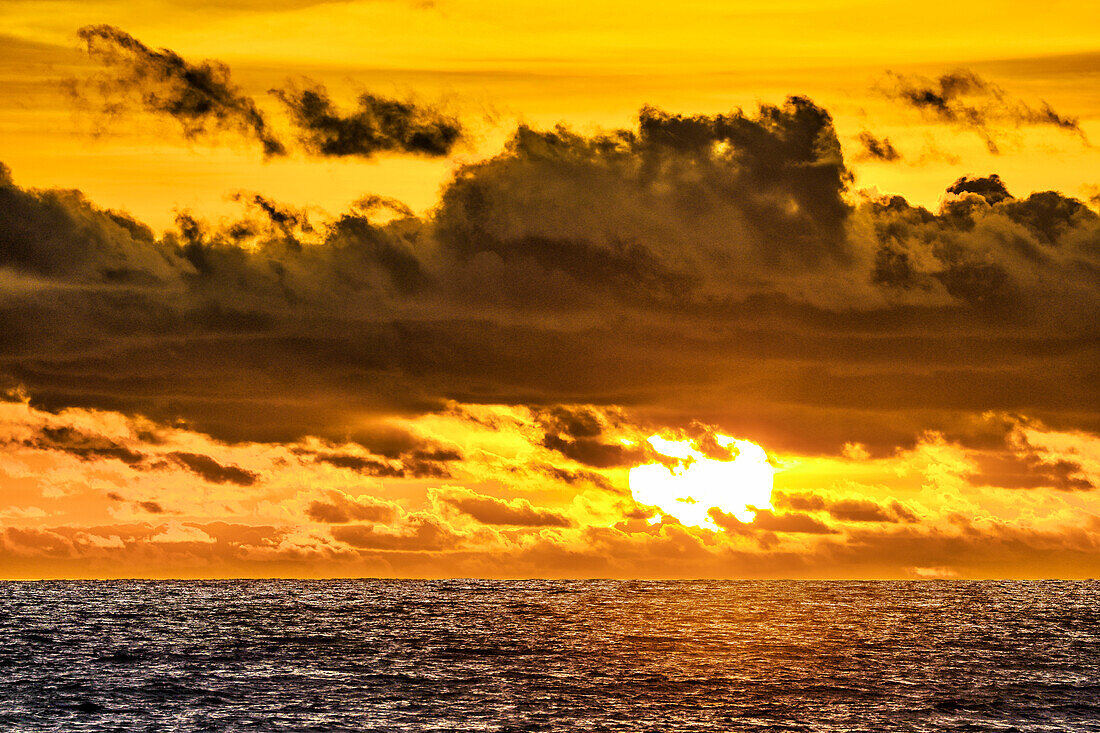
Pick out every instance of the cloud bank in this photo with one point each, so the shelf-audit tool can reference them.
(465, 391)
(711, 268)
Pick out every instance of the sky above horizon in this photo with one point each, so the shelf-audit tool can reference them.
(456, 288)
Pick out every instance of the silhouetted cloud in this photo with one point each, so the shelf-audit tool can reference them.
(203, 97)
(198, 96)
(212, 471)
(964, 99)
(576, 432)
(877, 148)
(419, 463)
(83, 446)
(376, 125)
(991, 188)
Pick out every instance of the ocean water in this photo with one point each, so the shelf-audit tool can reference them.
(370, 655)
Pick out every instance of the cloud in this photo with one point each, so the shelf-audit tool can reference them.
(202, 98)
(577, 477)
(419, 463)
(576, 432)
(846, 509)
(793, 522)
(177, 532)
(967, 101)
(341, 509)
(876, 148)
(198, 96)
(376, 125)
(420, 534)
(212, 471)
(1020, 463)
(502, 512)
(835, 516)
(991, 188)
(82, 445)
(694, 268)
(429, 549)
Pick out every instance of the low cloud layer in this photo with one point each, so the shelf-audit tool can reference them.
(932, 508)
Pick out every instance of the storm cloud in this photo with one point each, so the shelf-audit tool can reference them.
(711, 268)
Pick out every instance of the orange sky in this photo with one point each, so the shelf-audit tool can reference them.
(282, 376)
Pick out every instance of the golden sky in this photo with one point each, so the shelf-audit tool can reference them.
(510, 289)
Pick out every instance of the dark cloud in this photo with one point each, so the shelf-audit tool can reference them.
(636, 214)
(705, 440)
(514, 513)
(877, 148)
(84, 446)
(151, 506)
(360, 464)
(376, 125)
(420, 463)
(202, 97)
(991, 188)
(198, 96)
(577, 433)
(212, 471)
(713, 269)
(1013, 463)
(1010, 470)
(285, 218)
(965, 100)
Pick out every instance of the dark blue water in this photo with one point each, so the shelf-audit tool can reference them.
(548, 655)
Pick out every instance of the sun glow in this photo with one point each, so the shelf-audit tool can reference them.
(696, 483)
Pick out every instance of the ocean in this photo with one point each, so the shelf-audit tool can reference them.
(475, 655)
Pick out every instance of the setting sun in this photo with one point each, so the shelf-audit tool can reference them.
(689, 489)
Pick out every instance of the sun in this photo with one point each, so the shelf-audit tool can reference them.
(697, 483)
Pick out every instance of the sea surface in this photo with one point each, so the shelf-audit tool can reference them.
(461, 655)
